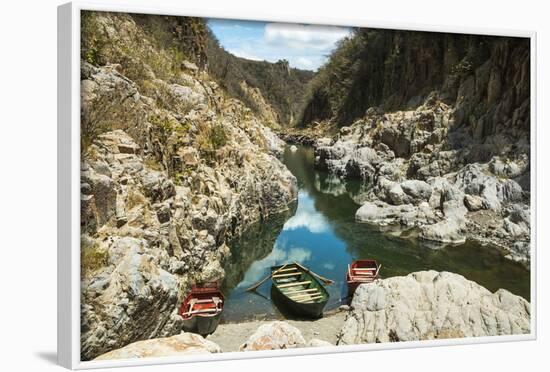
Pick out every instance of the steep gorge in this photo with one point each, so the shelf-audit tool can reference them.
(178, 157)
(172, 169)
(437, 126)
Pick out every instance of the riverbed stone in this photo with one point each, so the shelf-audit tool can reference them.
(429, 305)
(314, 342)
(273, 336)
(182, 344)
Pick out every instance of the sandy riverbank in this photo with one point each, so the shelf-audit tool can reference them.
(231, 336)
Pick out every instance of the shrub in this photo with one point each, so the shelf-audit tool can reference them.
(93, 258)
(135, 198)
(211, 138)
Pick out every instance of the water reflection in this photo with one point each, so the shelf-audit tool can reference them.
(307, 216)
(323, 235)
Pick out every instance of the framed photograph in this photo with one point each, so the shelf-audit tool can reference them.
(241, 187)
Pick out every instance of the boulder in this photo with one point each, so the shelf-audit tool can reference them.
(417, 190)
(473, 202)
(448, 231)
(274, 336)
(182, 344)
(429, 305)
(314, 342)
(380, 213)
(138, 294)
(187, 96)
(475, 179)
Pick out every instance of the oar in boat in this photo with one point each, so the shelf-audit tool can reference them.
(325, 280)
(377, 270)
(255, 286)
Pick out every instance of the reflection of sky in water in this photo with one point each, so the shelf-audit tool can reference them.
(307, 238)
(324, 236)
(305, 227)
(307, 217)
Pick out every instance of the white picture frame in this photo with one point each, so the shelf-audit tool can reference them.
(68, 137)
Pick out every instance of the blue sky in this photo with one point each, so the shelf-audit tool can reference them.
(304, 46)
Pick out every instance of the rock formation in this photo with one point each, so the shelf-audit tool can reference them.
(172, 170)
(431, 305)
(178, 345)
(273, 336)
(437, 126)
(414, 178)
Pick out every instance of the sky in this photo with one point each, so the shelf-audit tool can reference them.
(304, 46)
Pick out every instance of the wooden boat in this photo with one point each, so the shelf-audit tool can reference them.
(361, 271)
(297, 290)
(201, 309)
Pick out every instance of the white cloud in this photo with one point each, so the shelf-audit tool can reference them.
(244, 54)
(307, 216)
(306, 62)
(329, 266)
(299, 36)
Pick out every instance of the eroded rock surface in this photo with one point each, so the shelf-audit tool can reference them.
(421, 170)
(182, 344)
(429, 305)
(274, 336)
(172, 170)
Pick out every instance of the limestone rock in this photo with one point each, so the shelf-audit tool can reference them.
(273, 336)
(182, 344)
(314, 342)
(429, 305)
(473, 202)
(407, 158)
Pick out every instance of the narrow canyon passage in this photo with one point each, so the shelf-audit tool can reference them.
(322, 233)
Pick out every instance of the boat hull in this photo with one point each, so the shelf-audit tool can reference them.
(202, 325)
(291, 308)
(202, 308)
(361, 264)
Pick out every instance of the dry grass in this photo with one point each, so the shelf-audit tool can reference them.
(135, 198)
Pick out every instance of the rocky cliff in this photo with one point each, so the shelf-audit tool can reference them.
(438, 128)
(172, 169)
(264, 86)
(429, 305)
(486, 77)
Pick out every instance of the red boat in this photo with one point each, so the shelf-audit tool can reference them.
(361, 271)
(201, 309)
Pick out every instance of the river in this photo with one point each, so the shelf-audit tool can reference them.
(321, 233)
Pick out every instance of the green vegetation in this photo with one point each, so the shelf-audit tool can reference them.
(392, 69)
(211, 138)
(93, 258)
(165, 43)
(281, 86)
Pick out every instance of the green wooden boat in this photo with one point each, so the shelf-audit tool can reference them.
(298, 291)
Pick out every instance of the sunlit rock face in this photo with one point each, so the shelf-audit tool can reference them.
(274, 336)
(172, 170)
(182, 344)
(417, 175)
(429, 305)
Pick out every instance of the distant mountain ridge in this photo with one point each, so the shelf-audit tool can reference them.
(282, 86)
